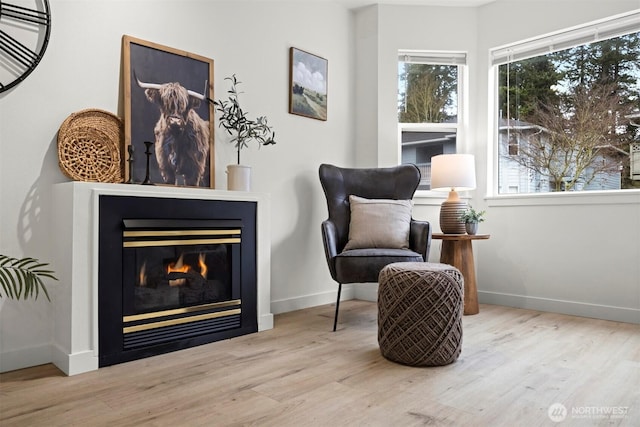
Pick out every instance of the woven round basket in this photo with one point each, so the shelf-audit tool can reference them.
(89, 146)
(420, 307)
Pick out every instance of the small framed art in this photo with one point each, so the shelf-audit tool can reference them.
(307, 84)
(166, 107)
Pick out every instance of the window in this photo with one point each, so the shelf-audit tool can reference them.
(566, 105)
(429, 99)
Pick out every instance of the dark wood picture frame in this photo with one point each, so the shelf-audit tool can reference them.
(308, 84)
(153, 72)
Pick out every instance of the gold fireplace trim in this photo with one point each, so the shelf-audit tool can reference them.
(157, 233)
(182, 310)
(146, 244)
(233, 236)
(180, 321)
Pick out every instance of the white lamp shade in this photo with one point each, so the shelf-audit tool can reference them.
(453, 172)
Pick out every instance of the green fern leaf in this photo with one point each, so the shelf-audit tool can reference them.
(22, 278)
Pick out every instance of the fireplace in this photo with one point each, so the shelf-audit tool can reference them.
(76, 229)
(173, 274)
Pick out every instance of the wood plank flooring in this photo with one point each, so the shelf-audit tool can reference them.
(514, 365)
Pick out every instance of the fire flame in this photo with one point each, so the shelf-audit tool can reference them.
(143, 274)
(176, 267)
(180, 267)
(203, 265)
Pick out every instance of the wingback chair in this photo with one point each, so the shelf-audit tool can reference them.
(363, 265)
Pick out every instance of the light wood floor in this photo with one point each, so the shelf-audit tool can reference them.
(514, 365)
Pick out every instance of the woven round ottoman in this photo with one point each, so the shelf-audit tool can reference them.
(420, 307)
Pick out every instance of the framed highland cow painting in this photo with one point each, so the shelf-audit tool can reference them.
(168, 120)
(307, 84)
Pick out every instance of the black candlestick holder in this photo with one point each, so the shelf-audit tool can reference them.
(147, 151)
(130, 161)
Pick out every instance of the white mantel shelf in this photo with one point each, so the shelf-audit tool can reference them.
(75, 236)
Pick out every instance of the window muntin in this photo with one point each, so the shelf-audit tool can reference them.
(571, 111)
(429, 99)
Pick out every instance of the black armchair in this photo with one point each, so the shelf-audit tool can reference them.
(363, 265)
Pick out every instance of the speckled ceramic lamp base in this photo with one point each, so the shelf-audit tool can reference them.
(450, 212)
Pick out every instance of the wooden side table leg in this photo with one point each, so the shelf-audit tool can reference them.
(460, 255)
(469, 273)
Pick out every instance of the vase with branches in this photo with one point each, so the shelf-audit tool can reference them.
(22, 278)
(236, 122)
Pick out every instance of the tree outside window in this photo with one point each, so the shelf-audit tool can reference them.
(571, 114)
(428, 107)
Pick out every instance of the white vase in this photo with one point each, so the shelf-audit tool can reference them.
(239, 178)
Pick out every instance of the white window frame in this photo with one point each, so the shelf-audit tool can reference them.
(595, 31)
(438, 58)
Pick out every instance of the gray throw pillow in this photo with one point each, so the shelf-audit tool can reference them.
(379, 223)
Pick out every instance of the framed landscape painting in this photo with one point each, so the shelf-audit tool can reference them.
(307, 84)
(166, 91)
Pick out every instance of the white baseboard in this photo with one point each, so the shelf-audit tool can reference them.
(313, 300)
(596, 311)
(366, 292)
(265, 322)
(25, 358)
(369, 292)
(76, 363)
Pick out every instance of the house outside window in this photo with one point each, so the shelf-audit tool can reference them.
(429, 106)
(513, 144)
(566, 105)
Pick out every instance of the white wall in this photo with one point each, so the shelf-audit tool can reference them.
(82, 69)
(575, 254)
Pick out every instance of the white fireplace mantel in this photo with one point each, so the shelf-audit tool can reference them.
(75, 237)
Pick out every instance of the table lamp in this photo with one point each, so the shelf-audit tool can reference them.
(451, 172)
